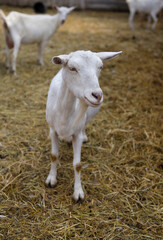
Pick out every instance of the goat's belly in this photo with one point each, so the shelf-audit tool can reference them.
(143, 7)
(29, 40)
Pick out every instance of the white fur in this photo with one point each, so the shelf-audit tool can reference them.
(74, 98)
(23, 28)
(152, 7)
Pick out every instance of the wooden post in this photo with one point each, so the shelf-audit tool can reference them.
(82, 4)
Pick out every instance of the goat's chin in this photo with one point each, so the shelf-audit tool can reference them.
(91, 103)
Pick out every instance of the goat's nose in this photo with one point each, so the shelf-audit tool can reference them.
(97, 95)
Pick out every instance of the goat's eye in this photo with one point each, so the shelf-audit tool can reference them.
(73, 69)
(100, 67)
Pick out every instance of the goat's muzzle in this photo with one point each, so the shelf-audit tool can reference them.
(97, 96)
(94, 98)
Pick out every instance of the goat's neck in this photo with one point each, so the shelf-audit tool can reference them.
(72, 108)
(56, 21)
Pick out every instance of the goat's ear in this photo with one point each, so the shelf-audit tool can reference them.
(107, 55)
(55, 7)
(61, 59)
(71, 9)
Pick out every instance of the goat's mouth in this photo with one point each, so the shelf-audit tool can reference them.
(93, 104)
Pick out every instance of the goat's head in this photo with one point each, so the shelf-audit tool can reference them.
(64, 11)
(81, 70)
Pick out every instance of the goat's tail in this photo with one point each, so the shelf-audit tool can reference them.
(2, 15)
(4, 22)
(9, 39)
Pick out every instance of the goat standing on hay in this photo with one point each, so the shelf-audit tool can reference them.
(152, 7)
(23, 28)
(74, 99)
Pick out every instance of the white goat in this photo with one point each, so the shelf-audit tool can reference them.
(23, 28)
(152, 7)
(74, 98)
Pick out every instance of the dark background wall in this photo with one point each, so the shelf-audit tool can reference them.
(117, 5)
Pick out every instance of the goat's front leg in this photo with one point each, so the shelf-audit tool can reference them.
(77, 143)
(153, 14)
(131, 19)
(41, 47)
(51, 180)
(149, 21)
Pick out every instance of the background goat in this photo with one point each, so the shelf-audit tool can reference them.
(152, 7)
(23, 28)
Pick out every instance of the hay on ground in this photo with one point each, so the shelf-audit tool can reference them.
(121, 162)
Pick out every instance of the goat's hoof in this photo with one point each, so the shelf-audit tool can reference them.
(85, 139)
(78, 195)
(40, 63)
(51, 181)
(133, 37)
(14, 72)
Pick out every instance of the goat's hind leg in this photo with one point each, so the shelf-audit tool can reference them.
(51, 180)
(9, 44)
(148, 22)
(91, 113)
(15, 53)
(85, 138)
(153, 14)
(7, 57)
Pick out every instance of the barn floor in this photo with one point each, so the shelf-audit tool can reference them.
(121, 162)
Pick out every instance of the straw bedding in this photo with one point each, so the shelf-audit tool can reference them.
(121, 162)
